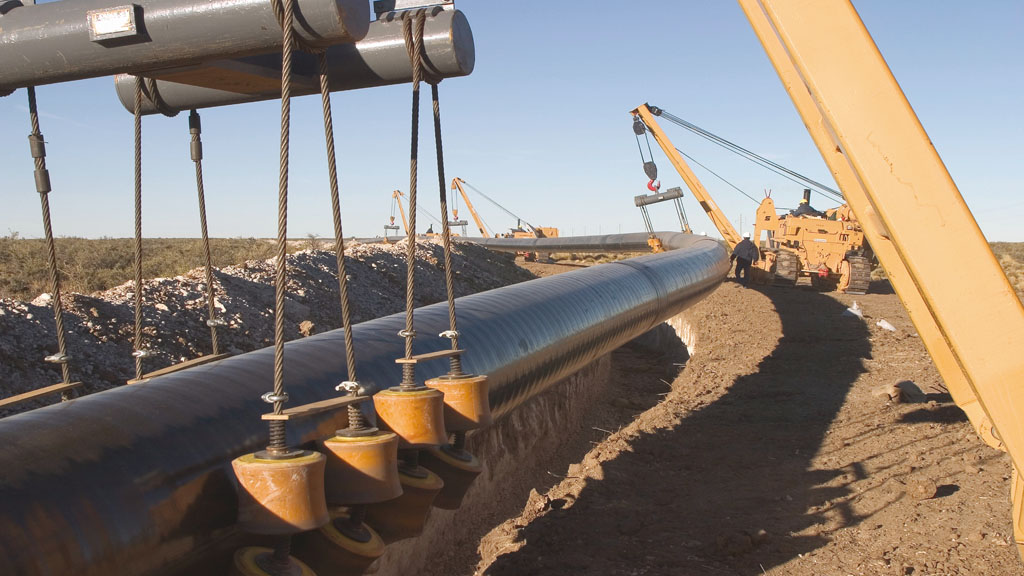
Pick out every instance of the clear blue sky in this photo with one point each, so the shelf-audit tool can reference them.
(542, 125)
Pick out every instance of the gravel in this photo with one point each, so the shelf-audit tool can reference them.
(99, 326)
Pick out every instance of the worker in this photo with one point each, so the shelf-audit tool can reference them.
(744, 254)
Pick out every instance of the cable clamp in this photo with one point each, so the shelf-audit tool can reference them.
(271, 398)
(451, 334)
(407, 333)
(57, 359)
(142, 353)
(214, 322)
(353, 388)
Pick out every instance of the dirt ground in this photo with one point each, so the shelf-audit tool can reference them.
(768, 454)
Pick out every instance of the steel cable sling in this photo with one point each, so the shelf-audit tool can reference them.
(413, 46)
(753, 157)
(196, 151)
(143, 87)
(37, 147)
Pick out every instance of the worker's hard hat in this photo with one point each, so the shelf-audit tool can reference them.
(746, 235)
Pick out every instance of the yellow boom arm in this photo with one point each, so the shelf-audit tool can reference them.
(396, 197)
(911, 211)
(457, 185)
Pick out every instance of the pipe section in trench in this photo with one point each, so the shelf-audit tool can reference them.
(138, 480)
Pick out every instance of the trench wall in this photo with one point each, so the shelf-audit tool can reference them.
(518, 452)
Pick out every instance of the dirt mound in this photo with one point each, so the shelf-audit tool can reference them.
(100, 326)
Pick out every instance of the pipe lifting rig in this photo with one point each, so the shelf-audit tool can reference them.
(138, 480)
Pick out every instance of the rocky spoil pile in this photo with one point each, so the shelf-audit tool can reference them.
(100, 327)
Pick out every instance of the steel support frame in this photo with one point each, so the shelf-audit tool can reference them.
(912, 212)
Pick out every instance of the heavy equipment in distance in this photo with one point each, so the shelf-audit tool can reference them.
(828, 248)
(517, 232)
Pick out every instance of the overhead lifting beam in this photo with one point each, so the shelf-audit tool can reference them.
(63, 41)
(378, 59)
(137, 480)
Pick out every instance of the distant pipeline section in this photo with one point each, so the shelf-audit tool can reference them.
(609, 243)
(137, 480)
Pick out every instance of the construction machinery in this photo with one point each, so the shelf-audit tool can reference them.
(827, 248)
(530, 231)
(457, 185)
(396, 200)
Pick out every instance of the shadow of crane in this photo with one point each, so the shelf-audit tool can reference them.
(728, 489)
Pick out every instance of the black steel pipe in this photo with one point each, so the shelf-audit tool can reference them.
(137, 480)
(58, 42)
(379, 59)
(631, 242)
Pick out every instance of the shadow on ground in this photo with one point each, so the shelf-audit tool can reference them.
(729, 488)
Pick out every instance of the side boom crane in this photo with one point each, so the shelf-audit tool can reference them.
(396, 200)
(644, 115)
(457, 185)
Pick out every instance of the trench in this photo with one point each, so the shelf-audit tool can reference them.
(531, 448)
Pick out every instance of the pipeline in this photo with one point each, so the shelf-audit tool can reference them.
(137, 480)
(632, 242)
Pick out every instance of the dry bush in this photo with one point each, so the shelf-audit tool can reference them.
(90, 265)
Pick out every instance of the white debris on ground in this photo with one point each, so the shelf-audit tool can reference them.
(99, 327)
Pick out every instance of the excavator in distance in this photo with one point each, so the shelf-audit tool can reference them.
(828, 248)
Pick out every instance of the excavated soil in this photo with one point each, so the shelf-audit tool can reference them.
(773, 451)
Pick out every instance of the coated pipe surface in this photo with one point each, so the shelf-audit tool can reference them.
(137, 480)
(630, 242)
(51, 42)
(379, 59)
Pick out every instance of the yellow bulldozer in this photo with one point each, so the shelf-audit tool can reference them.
(826, 247)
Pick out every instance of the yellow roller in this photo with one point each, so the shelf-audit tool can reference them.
(416, 415)
(362, 469)
(337, 549)
(253, 561)
(457, 468)
(466, 405)
(405, 516)
(277, 497)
